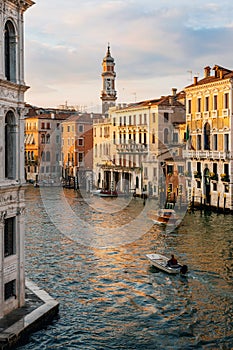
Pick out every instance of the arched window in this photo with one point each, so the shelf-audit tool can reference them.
(47, 138)
(47, 156)
(10, 146)
(10, 52)
(207, 136)
(165, 135)
(42, 138)
(43, 156)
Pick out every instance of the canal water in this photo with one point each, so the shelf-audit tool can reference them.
(89, 254)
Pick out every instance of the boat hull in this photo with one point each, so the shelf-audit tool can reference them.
(160, 261)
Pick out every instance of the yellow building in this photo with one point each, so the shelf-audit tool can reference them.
(209, 117)
(43, 145)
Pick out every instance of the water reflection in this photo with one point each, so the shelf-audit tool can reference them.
(112, 298)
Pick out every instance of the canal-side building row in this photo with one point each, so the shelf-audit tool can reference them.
(77, 150)
(43, 144)
(12, 111)
(132, 145)
(209, 113)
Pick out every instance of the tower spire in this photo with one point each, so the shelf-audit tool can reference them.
(108, 93)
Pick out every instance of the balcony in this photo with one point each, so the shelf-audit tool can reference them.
(214, 177)
(214, 114)
(198, 115)
(225, 112)
(206, 114)
(225, 178)
(215, 155)
(197, 175)
(132, 148)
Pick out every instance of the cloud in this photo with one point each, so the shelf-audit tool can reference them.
(153, 43)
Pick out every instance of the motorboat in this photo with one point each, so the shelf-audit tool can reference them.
(166, 217)
(161, 262)
(108, 193)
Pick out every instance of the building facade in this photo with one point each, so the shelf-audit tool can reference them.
(134, 142)
(43, 145)
(77, 150)
(108, 93)
(12, 111)
(209, 107)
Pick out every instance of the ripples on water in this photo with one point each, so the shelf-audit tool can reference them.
(111, 298)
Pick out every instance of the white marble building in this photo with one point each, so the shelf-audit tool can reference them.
(12, 111)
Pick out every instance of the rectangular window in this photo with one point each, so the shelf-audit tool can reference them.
(206, 103)
(226, 169)
(48, 125)
(80, 128)
(169, 169)
(153, 117)
(175, 137)
(9, 237)
(180, 169)
(114, 121)
(226, 142)
(140, 119)
(100, 132)
(145, 172)
(199, 104)
(215, 142)
(134, 120)
(68, 128)
(199, 167)
(166, 117)
(42, 125)
(10, 290)
(215, 102)
(145, 119)
(80, 157)
(198, 142)
(80, 142)
(124, 120)
(154, 172)
(189, 107)
(214, 186)
(120, 121)
(226, 100)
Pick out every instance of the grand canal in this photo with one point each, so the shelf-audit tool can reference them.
(89, 254)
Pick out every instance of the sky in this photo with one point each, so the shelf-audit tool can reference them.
(157, 45)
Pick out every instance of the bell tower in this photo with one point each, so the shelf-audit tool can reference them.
(108, 93)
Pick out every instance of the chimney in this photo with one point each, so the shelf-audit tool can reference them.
(174, 90)
(207, 72)
(195, 80)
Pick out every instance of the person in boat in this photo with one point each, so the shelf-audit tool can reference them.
(171, 262)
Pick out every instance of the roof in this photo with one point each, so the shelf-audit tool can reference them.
(162, 101)
(220, 73)
(84, 117)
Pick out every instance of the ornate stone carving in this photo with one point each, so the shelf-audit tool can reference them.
(3, 215)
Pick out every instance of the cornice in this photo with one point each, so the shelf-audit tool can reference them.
(22, 4)
(213, 84)
(14, 86)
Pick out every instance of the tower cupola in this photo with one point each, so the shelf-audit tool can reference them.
(108, 93)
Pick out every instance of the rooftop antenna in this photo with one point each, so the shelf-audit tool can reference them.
(135, 96)
(191, 74)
